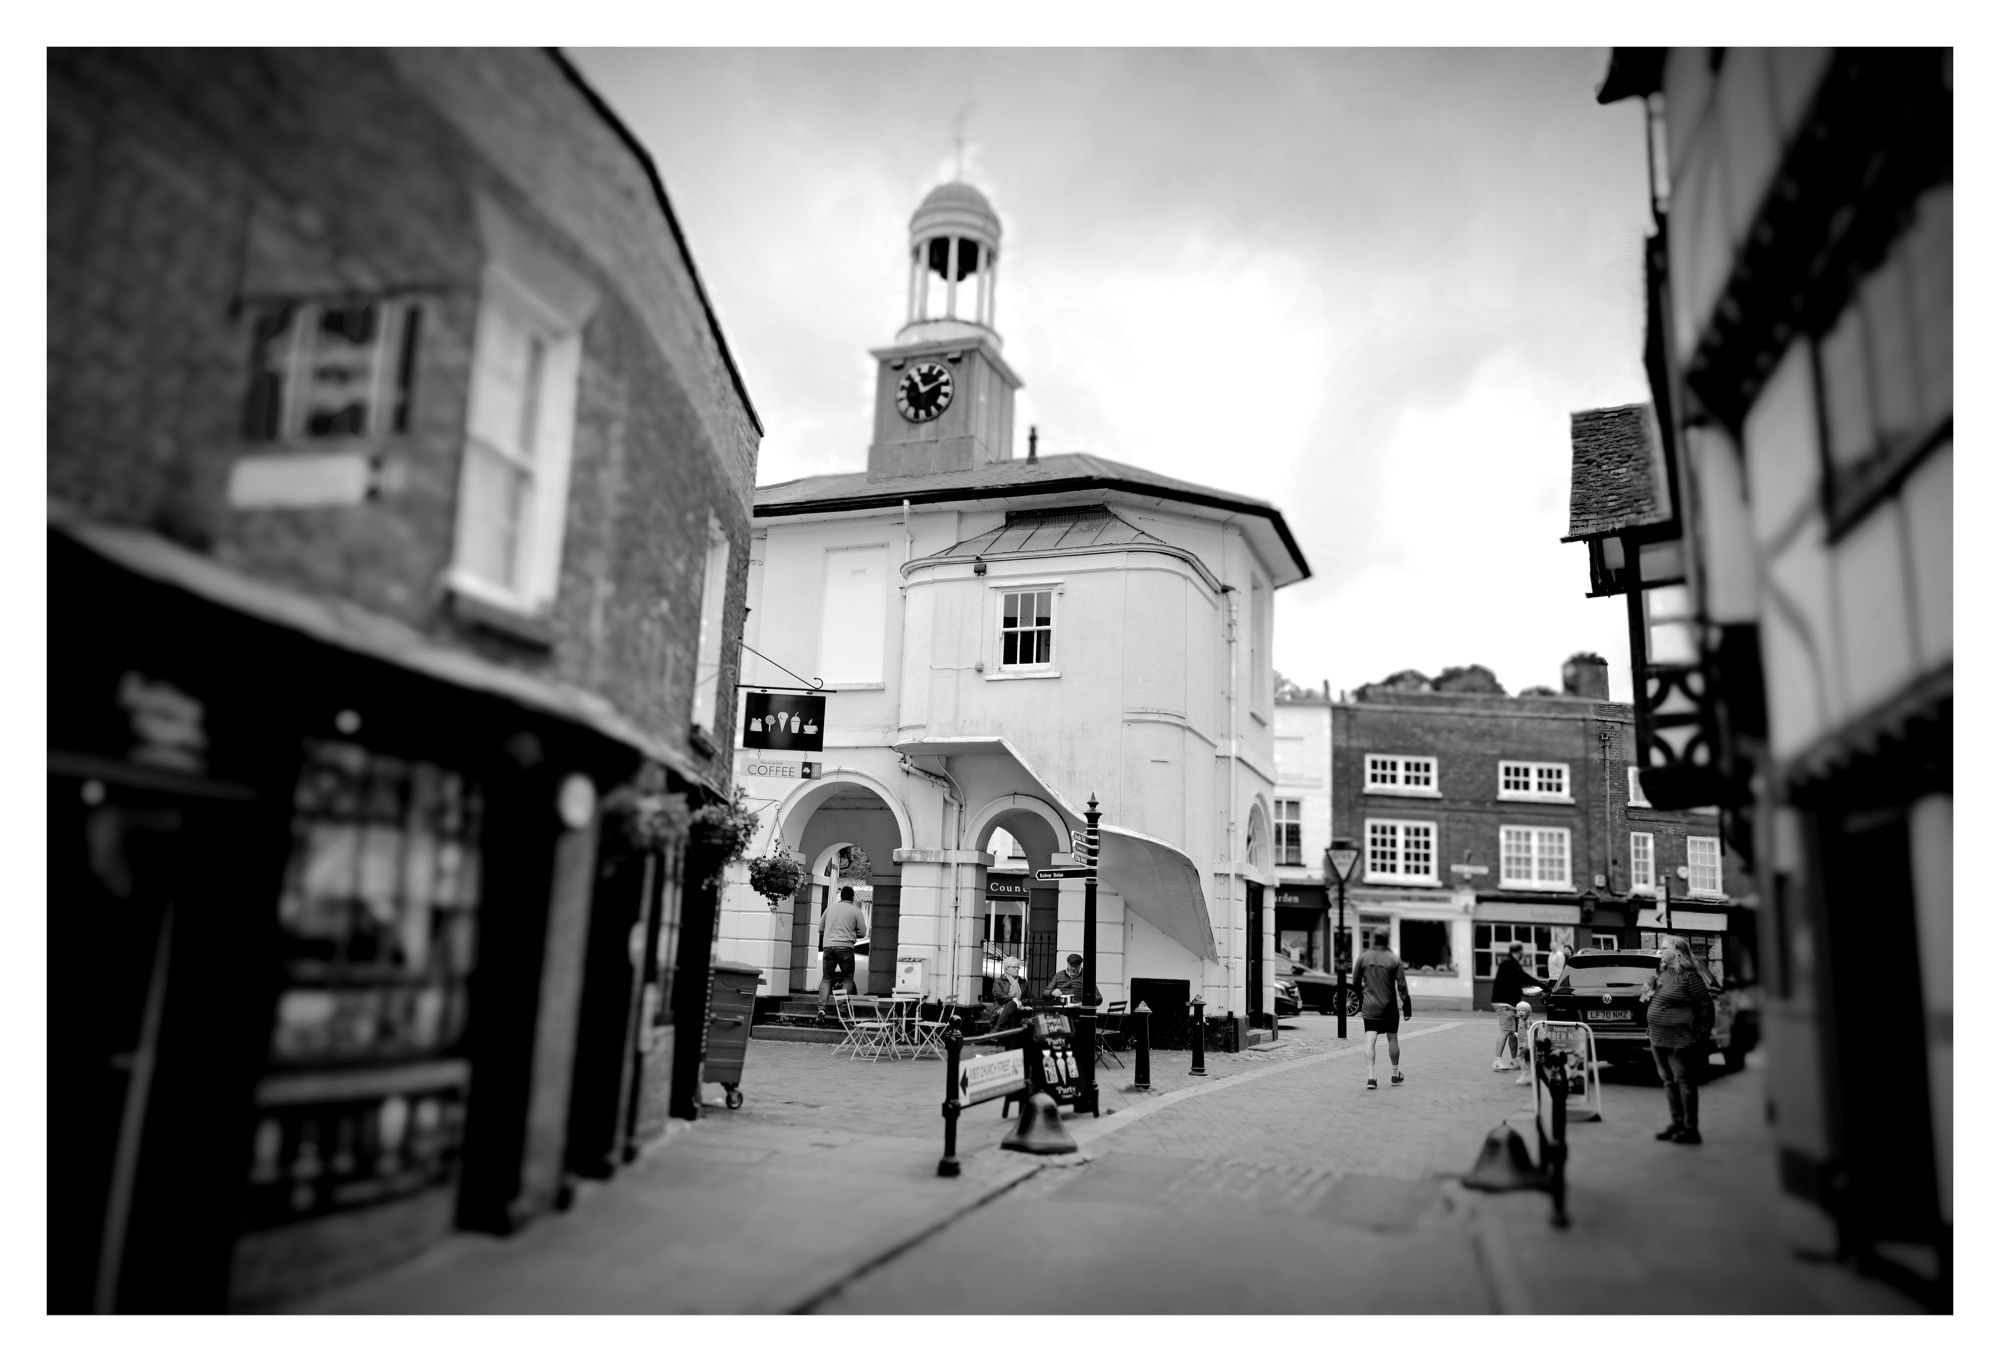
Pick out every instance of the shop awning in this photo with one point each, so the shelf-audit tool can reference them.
(1158, 881)
(341, 624)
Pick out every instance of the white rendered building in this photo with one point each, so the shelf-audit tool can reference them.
(1003, 639)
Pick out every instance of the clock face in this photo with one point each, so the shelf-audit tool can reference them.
(924, 392)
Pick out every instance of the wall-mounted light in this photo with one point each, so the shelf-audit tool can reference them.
(978, 566)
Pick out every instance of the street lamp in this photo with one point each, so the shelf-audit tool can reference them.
(1340, 859)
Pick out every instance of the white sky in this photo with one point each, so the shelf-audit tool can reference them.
(1367, 286)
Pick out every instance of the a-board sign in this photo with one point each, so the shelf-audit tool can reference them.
(1068, 872)
(985, 1076)
(785, 723)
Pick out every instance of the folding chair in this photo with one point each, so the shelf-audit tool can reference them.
(1106, 1056)
(928, 1036)
(875, 1033)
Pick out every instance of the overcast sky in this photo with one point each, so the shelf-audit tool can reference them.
(1366, 286)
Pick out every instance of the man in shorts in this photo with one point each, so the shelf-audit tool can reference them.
(843, 925)
(1508, 981)
(1378, 974)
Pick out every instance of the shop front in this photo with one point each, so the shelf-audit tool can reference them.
(301, 900)
(1300, 919)
(1428, 930)
(1537, 928)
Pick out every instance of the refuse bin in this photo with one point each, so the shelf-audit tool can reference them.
(732, 1000)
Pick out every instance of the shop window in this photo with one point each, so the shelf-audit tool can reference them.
(1704, 865)
(1604, 941)
(1707, 949)
(1543, 780)
(365, 1094)
(1426, 947)
(333, 370)
(708, 642)
(1402, 852)
(1291, 845)
(1642, 860)
(1534, 858)
(1400, 775)
(1491, 940)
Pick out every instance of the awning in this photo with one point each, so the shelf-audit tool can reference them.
(341, 624)
(1158, 881)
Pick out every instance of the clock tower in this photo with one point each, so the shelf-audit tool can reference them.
(944, 398)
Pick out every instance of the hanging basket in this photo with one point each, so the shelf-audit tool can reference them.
(640, 818)
(777, 876)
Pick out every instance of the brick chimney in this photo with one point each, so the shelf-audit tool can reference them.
(1587, 676)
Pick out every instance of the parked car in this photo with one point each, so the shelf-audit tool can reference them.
(1602, 989)
(1285, 998)
(1319, 991)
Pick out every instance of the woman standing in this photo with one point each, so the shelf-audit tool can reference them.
(1679, 1015)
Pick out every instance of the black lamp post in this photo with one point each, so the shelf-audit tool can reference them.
(1340, 859)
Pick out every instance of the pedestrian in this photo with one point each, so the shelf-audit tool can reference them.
(1679, 1015)
(1558, 957)
(1378, 975)
(1068, 984)
(1508, 982)
(843, 925)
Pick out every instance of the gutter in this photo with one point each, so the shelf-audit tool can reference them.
(890, 500)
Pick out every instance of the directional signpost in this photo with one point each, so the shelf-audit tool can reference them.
(990, 1075)
(1340, 859)
(1086, 873)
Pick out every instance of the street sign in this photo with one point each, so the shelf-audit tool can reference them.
(987, 1076)
(1069, 872)
(1080, 857)
(1341, 862)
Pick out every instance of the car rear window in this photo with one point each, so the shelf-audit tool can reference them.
(1608, 976)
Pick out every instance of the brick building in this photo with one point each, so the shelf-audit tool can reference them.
(1486, 820)
(399, 483)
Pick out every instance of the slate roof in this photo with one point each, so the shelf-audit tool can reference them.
(1618, 472)
(1032, 534)
(1053, 474)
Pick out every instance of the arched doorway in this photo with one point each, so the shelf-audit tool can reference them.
(1019, 914)
(843, 823)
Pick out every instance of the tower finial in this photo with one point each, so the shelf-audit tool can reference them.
(958, 138)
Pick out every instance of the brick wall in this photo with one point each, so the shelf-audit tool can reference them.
(182, 184)
(1469, 736)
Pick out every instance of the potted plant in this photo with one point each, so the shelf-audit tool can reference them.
(722, 832)
(777, 876)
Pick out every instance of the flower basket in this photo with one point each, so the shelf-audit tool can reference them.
(777, 876)
(721, 833)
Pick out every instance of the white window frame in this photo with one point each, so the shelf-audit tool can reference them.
(1001, 591)
(1604, 941)
(1536, 775)
(1296, 823)
(388, 397)
(1711, 862)
(538, 566)
(1635, 795)
(1399, 769)
(874, 671)
(1643, 841)
(1402, 827)
(1535, 880)
(708, 642)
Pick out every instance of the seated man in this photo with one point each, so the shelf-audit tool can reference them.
(1068, 986)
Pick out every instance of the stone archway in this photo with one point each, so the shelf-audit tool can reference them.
(845, 809)
(1025, 928)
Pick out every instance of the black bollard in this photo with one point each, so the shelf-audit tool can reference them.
(1200, 1070)
(1142, 1062)
(948, 1165)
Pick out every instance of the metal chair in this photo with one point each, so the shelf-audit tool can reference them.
(877, 1033)
(928, 1036)
(1106, 1056)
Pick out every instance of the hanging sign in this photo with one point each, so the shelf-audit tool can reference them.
(786, 723)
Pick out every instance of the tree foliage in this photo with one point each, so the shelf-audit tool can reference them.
(1288, 689)
(1538, 690)
(1472, 680)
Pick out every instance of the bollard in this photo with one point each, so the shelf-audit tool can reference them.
(1083, 1032)
(1200, 1070)
(1554, 1074)
(1142, 1062)
(948, 1165)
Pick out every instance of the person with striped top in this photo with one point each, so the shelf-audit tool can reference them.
(1679, 1015)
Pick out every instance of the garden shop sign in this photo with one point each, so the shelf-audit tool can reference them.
(783, 723)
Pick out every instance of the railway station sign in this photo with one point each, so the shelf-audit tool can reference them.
(1069, 872)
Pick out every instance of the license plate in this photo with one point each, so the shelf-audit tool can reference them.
(1604, 1016)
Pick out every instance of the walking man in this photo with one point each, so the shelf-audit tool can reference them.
(1378, 974)
(843, 925)
(1508, 981)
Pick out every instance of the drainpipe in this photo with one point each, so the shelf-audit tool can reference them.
(1231, 632)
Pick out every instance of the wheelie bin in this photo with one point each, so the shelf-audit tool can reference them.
(732, 998)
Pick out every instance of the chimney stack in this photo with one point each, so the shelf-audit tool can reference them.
(1588, 677)
(1031, 444)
